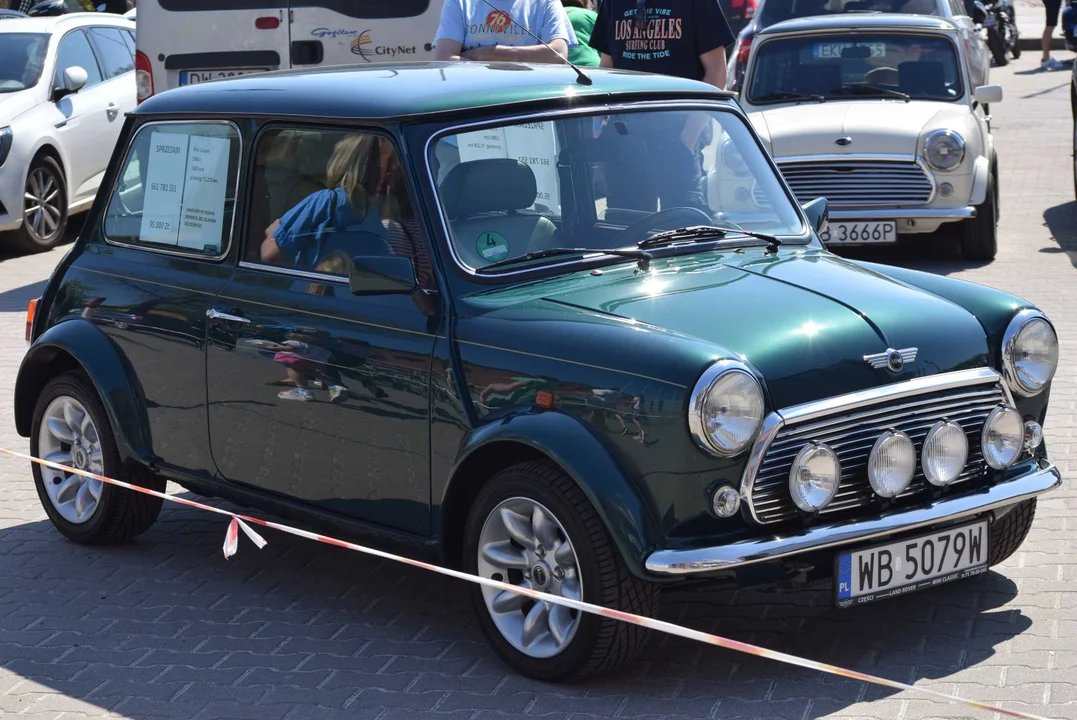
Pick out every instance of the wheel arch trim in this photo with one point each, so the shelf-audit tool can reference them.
(79, 343)
(573, 446)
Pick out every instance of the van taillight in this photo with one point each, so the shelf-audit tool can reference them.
(31, 309)
(143, 76)
(267, 23)
(743, 50)
(749, 8)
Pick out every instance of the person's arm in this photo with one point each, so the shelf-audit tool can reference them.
(714, 67)
(449, 40)
(606, 61)
(270, 250)
(520, 53)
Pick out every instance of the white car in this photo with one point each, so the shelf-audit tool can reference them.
(66, 83)
(877, 114)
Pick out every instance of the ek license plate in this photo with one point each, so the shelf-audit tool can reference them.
(883, 571)
(859, 233)
(191, 77)
(825, 51)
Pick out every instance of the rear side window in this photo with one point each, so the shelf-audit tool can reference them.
(74, 51)
(112, 51)
(177, 189)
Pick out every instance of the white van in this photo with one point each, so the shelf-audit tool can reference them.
(181, 42)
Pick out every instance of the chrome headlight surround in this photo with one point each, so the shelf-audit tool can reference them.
(732, 159)
(944, 150)
(722, 374)
(6, 140)
(1019, 383)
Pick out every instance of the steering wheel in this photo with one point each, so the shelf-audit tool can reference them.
(671, 217)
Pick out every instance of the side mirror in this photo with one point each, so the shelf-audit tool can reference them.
(75, 79)
(988, 94)
(382, 275)
(818, 212)
(979, 13)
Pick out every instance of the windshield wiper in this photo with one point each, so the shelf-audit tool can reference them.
(643, 257)
(702, 232)
(784, 95)
(871, 90)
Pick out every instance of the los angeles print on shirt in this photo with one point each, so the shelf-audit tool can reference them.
(651, 42)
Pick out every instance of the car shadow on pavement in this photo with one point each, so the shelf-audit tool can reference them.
(167, 626)
(74, 227)
(938, 253)
(1061, 220)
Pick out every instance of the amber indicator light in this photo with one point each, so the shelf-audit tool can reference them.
(544, 399)
(30, 310)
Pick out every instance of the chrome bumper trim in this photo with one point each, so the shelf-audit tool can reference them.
(821, 537)
(961, 213)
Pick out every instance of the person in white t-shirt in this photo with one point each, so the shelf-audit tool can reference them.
(494, 31)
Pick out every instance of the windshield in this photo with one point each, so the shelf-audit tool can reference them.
(841, 66)
(604, 182)
(22, 57)
(775, 11)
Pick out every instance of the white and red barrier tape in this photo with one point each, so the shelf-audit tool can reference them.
(239, 522)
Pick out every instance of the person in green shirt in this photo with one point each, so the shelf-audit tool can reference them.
(582, 18)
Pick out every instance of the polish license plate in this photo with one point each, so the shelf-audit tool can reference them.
(883, 571)
(859, 233)
(192, 77)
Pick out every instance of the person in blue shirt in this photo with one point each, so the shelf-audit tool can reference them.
(496, 30)
(338, 218)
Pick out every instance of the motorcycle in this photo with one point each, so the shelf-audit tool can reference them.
(1001, 27)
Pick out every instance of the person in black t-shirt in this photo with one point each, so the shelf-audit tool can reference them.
(683, 38)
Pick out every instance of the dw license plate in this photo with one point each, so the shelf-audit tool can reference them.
(191, 77)
(863, 576)
(859, 233)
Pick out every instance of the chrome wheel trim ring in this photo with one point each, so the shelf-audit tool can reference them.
(41, 209)
(68, 436)
(524, 544)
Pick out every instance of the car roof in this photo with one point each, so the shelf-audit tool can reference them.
(60, 23)
(867, 21)
(400, 90)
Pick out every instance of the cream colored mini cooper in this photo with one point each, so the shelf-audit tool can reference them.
(877, 114)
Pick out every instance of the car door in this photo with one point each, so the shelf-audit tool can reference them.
(84, 118)
(317, 393)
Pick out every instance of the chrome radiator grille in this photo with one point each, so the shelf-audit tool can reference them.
(852, 435)
(858, 182)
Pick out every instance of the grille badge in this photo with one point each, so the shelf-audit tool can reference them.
(891, 359)
(844, 142)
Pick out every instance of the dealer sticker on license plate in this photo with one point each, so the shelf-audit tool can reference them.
(863, 576)
(859, 233)
(191, 77)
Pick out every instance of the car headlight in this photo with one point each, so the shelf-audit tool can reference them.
(1029, 353)
(944, 150)
(733, 160)
(814, 477)
(6, 138)
(726, 408)
(1002, 438)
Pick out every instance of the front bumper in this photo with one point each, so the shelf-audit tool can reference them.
(822, 537)
(12, 182)
(927, 214)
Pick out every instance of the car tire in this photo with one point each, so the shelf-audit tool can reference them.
(1009, 531)
(70, 426)
(589, 644)
(44, 229)
(979, 235)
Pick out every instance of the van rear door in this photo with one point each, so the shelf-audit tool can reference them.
(222, 38)
(345, 32)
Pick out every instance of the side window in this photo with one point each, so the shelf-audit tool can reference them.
(321, 197)
(129, 38)
(177, 189)
(112, 52)
(74, 51)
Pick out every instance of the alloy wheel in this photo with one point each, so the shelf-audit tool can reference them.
(524, 544)
(69, 437)
(42, 203)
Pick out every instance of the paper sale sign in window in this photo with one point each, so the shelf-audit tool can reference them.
(533, 144)
(185, 193)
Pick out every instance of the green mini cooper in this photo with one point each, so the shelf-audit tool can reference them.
(497, 315)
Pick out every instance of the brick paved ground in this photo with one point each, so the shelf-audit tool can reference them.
(166, 628)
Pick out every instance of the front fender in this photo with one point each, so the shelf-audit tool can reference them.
(575, 447)
(78, 343)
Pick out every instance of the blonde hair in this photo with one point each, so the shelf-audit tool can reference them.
(349, 166)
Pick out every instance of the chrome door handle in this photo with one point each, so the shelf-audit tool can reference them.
(215, 315)
(112, 109)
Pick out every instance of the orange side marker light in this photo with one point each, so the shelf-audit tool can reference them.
(544, 399)
(31, 309)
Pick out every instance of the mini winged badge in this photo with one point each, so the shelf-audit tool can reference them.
(891, 359)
